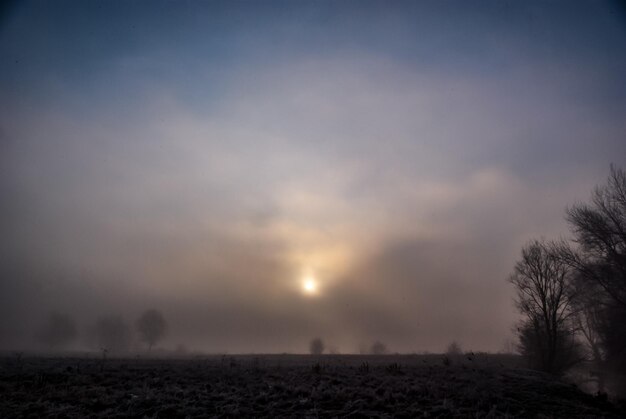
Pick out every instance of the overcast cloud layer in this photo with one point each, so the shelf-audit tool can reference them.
(201, 158)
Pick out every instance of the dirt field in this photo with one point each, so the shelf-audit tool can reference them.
(289, 386)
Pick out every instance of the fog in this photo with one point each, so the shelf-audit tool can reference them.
(203, 159)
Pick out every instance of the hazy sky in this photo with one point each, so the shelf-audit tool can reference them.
(204, 158)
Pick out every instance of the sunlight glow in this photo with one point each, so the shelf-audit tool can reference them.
(309, 285)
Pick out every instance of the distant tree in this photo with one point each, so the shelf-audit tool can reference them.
(544, 296)
(316, 347)
(454, 348)
(378, 348)
(151, 327)
(58, 331)
(113, 334)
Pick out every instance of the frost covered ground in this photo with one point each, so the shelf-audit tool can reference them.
(289, 386)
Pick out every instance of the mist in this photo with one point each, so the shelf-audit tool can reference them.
(203, 159)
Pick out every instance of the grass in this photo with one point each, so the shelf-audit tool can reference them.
(290, 386)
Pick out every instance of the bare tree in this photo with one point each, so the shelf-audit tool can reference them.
(600, 231)
(112, 334)
(151, 327)
(589, 319)
(542, 282)
(589, 316)
(599, 258)
(58, 331)
(316, 347)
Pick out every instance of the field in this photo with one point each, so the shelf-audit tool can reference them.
(289, 386)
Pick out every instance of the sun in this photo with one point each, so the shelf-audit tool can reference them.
(309, 285)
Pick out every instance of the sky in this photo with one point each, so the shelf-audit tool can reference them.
(208, 158)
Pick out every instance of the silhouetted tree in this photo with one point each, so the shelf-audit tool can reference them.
(613, 332)
(58, 331)
(151, 327)
(378, 348)
(113, 334)
(533, 345)
(316, 347)
(599, 258)
(589, 317)
(454, 348)
(600, 231)
(544, 296)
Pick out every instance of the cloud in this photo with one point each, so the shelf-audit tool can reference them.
(206, 179)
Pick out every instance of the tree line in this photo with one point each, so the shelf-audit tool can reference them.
(109, 333)
(318, 347)
(572, 293)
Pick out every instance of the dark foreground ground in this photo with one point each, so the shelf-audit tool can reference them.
(289, 386)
